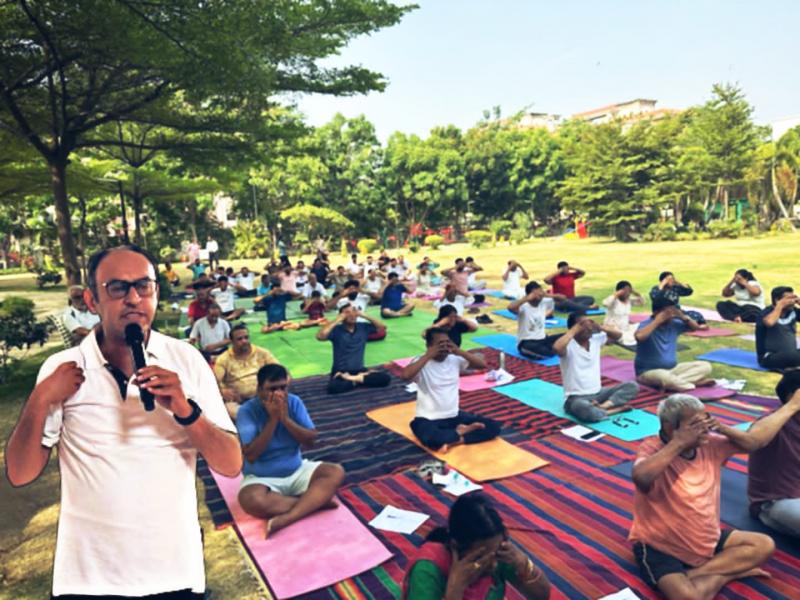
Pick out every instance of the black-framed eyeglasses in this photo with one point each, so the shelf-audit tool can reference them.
(119, 288)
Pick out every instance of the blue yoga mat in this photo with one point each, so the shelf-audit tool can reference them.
(505, 342)
(628, 426)
(492, 293)
(735, 508)
(550, 323)
(735, 357)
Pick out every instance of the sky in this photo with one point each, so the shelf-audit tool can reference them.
(450, 60)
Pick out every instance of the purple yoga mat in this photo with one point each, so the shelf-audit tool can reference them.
(711, 332)
(622, 370)
(758, 400)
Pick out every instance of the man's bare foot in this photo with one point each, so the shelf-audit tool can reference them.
(463, 430)
(755, 572)
(705, 383)
(275, 524)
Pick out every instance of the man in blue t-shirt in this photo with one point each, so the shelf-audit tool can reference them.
(279, 484)
(274, 302)
(657, 353)
(392, 298)
(349, 336)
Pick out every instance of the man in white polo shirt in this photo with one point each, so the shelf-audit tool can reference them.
(128, 525)
(585, 398)
(78, 319)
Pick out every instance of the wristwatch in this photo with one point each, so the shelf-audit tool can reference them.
(193, 416)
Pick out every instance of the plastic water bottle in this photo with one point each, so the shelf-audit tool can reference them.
(502, 361)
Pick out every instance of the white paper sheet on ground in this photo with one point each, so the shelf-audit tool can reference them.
(398, 520)
(500, 376)
(626, 594)
(737, 385)
(411, 388)
(582, 434)
(456, 484)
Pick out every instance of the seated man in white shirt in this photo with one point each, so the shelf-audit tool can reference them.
(512, 284)
(311, 286)
(584, 396)
(300, 274)
(211, 333)
(78, 319)
(439, 423)
(354, 269)
(245, 283)
(452, 297)
(372, 286)
(473, 283)
(224, 296)
(533, 310)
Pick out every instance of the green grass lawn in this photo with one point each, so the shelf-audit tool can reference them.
(29, 515)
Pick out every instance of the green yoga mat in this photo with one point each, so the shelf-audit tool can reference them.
(301, 353)
(549, 397)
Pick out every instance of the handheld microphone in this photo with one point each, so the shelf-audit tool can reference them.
(134, 337)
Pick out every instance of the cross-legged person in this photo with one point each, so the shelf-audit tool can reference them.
(245, 283)
(224, 296)
(585, 398)
(473, 283)
(275, 304)
(512, 280)
(211, 333)
(532, 311)
(672, 290)
(349, 334)
(748, 298)
(392, 304)
(279, 485)
(618, 312)
(773, 485)
(563, 283)
(314, 308)
(439, 423)
(656, 361)
(678, 544)
(77, 318)
(454, 324)
(452, 297)
(236, 369)
(776, 331)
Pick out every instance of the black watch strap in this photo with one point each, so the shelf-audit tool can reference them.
(193, 416)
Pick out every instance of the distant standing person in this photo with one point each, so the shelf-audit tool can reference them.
(193, 251)
(212, 247)
(618, 311)
(776, 331)
(563, 283)
(748, 298)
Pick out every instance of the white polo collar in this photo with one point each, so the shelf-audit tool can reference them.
(93, 358)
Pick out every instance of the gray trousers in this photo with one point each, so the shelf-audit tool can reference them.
(584, 407)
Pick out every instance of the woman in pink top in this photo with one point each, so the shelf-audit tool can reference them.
(676, 532)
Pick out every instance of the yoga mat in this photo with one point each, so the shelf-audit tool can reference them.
(550, 322)
(486, 461)
(622, 370)
(505, 342)
(638, 317)
(711, 332)
(341, 546)
(735, 357)
(549, 397)
(708, 314)
(493, 293)
(473, 383)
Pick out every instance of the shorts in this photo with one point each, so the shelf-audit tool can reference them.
(654, 564)
(294, 485)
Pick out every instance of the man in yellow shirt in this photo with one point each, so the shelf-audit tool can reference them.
(171, 275)
(237, 369)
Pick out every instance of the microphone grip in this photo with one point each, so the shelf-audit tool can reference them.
(147, 397)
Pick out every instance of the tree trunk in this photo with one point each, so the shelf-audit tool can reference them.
(777, 196)
(193, 217)
(58, 174)
(82, 237)
(136, 201)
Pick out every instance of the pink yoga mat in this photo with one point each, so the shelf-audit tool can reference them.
(472, 383)
(638, 317)
(622, 370)
(321, 550)
(403, 362)
(711, 332)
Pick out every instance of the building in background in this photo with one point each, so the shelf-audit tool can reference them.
(630, 112)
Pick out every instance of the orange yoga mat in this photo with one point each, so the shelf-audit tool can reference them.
(480, 462)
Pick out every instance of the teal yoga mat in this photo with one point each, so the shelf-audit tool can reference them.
(549, 397)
